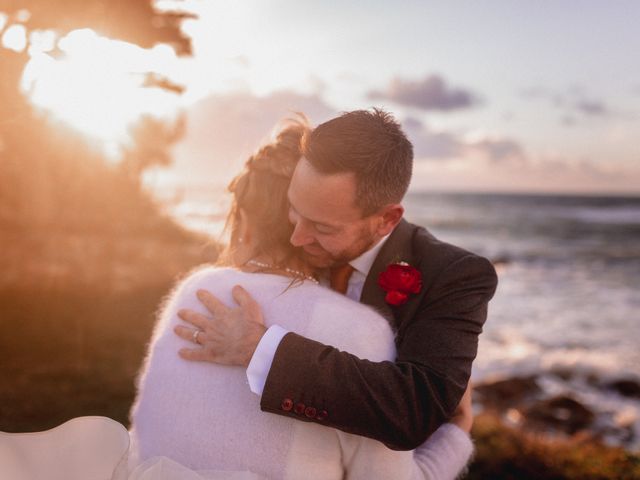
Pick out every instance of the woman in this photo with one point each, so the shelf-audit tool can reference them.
(204, 416)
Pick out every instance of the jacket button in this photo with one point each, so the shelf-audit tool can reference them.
(322, 414)
(299, 408)
(310, 412)
(287, 404)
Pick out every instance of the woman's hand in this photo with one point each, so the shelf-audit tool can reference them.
(463, 415)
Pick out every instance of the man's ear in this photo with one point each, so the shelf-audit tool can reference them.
(389, 216)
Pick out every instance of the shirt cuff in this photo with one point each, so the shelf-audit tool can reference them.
(262, 359)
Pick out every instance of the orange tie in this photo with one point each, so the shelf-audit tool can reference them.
(339, 280)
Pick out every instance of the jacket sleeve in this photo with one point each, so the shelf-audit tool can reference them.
(398, 403)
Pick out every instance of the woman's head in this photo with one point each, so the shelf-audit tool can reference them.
(258, 218)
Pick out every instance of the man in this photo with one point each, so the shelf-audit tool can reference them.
(345, 198)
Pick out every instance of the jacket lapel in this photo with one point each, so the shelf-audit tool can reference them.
(396, 249)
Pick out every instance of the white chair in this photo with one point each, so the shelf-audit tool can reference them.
(84, 448)
(163, 468)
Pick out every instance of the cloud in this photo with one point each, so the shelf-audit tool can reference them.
(545, 174)
(592, 107)
(534, 92)
(428, 144)
(431, 93)
(432, 145)
(223, 130)
(573, 101)
(499, 150)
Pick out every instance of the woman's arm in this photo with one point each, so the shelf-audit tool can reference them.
(443, 456)
(446, 453)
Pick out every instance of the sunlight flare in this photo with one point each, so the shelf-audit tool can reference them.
(15, 38)
(97, 84)
(3, 20)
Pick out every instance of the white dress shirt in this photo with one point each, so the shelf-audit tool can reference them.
(262, 359)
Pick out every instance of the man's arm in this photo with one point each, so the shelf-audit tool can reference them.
(401, 403)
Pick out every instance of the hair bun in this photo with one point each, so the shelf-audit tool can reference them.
(280, 156)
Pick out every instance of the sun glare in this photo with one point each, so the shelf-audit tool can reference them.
(15, 38)
(3, 20)
(97, 84)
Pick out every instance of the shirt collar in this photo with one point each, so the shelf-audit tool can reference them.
(364, 262)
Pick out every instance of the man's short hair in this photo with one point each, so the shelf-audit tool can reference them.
(370, 144)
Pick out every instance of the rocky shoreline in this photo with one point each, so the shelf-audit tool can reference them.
(534, 403)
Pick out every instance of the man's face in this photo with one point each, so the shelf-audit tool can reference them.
(328, 225)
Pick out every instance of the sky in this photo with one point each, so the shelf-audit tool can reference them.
(499, 95)
(495, 95)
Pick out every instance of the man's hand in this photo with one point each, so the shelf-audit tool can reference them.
(463, 416)
(229, 336)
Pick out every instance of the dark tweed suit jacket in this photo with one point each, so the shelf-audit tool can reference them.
(399, 403)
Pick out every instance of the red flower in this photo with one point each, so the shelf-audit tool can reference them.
(399, 280)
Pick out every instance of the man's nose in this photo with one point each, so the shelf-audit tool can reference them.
(300, 235)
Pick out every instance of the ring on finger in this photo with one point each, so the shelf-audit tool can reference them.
(195, 335)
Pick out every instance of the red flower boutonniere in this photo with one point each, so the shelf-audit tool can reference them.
(399, 280)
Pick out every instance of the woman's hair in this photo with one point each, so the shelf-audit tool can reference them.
(260, 190)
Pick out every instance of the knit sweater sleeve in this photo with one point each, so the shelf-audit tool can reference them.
(444, 456)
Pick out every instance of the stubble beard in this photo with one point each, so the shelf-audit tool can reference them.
(329, 260)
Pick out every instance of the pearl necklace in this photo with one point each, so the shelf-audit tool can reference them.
(295, 273)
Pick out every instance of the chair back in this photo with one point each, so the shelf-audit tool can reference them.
(84, 448)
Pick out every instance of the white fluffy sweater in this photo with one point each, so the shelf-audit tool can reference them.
(205, 417)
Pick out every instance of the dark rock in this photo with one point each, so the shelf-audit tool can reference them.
(509, 392)
(561, 413)
(618, 435)
(593, 379)
(562, 372)
(627, 387)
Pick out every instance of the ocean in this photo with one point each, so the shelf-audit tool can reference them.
(568, 301)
